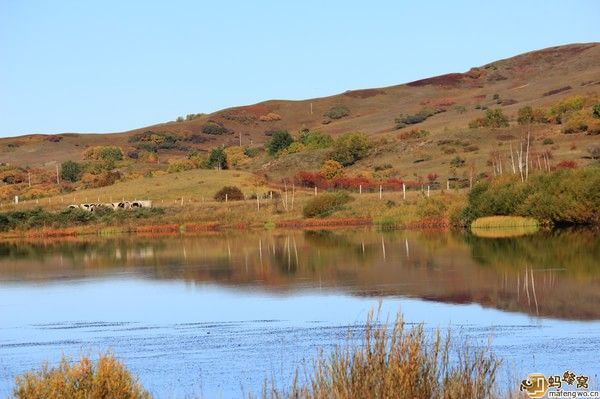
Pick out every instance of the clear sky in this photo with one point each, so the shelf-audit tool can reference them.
(102, 66)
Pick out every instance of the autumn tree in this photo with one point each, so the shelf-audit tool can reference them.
(280, 140)
(217, 159)
(350, 148)
(70, 171)
(331, 169)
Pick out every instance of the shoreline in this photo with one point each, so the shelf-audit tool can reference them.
(172, 229)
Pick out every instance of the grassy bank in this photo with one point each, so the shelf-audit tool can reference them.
(390, 210)
(556, 198)
(391, 361)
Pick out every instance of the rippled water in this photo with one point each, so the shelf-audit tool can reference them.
(215, 315)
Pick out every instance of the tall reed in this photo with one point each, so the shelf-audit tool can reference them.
(394, 361)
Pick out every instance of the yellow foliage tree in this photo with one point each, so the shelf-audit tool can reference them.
(235, 157)
(331, 169)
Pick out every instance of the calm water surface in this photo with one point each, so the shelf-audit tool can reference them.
(215, 315)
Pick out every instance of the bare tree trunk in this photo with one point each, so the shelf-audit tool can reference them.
(521, 160)
(512, 159)
(527, 154)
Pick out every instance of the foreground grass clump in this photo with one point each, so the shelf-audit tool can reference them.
(108, 378)
(398, 363)
(325, 204)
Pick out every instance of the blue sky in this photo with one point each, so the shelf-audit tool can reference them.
(108, 65)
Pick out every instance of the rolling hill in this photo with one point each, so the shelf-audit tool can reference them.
(537, 78)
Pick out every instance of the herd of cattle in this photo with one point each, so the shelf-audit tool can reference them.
(114, 205)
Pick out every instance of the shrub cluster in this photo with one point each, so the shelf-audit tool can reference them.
(70, 171)
(104, 153)
(232, 193)
(153, 141)
(270, 117)
(315, 140)
(280, 140)
(576, 113)
(217, 159)
(405, 120)
(325, 204)
(214, 128)
(494, 118)
(350, 147)
(566, 196)
(331, 169)
(238, 115)
(528, 114)
(337, 112)
(180, 165)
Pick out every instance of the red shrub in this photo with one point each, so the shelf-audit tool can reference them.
(565, 165)
(394, 184)
(310, 179)
(352, 183)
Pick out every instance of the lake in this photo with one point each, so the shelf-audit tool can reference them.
(215, 315)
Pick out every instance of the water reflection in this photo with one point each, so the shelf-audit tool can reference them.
(554, 274)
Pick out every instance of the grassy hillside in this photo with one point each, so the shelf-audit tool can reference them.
(416, 130)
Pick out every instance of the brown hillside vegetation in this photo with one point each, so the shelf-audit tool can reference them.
(423, 132)
(524, 79)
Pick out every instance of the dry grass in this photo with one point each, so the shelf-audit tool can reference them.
(397, 362)
(108, 378)
(198, 185)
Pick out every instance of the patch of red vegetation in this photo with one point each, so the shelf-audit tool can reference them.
(449, 80)
(315, 179)
(427, 223)
(331, 222)
(365, 93)
(479, 97)
(62, 232)
(567, 164)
